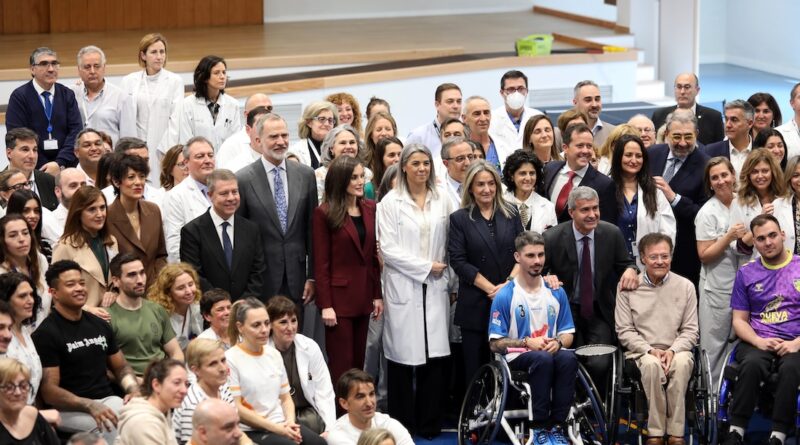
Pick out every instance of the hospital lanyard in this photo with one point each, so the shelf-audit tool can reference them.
(313, 149)
(49, 114)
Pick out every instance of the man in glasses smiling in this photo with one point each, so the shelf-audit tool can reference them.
(49, 109)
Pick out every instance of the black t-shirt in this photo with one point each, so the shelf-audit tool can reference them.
(42, 434)
(80, 350)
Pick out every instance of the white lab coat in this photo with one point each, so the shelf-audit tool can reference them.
(300, 149)
(663, 222)
(196, 119)
(507, 139)
(163, 123)
(315, 379)
(404, 273)
(791, 134)
(782, 211)
(180, 205)
(236, 153)
(542, 211)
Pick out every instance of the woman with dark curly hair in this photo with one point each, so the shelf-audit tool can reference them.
(177, 289)
(19, 292)
(522, 176)
(349, 110)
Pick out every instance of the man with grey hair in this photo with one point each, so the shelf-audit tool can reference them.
(677, 168)
(456, 157)
(587, 99)
(791, 129)
(594, 261)
(739, 116)
(189, 199)
(646, 127)
(478, 117)
(49, 109)
(240, 149)
(103, 106)
(215, 422)
(709, 120)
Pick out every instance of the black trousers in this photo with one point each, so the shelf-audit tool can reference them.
(260, 437)
(475, 349)
(754, 367)
(415, 395)
(590, 332)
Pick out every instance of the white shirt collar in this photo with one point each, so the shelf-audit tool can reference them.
(40, 90)
(579, 173)
(269, 166)
(218, 220)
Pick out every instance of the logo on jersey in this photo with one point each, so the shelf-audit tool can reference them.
(796, 283)
(759, 287)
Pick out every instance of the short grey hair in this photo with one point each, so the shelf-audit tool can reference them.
(41, 51)
(528, 238)
(739, 104)
(682, 117)
(89, 50)
(330, 138)
(450, 143)
(582, 84)
(472, 99)
(264, 118)
(581, 193)
(405, 155)
(192, 141)
(220, 174)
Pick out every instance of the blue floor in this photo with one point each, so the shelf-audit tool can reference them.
(719, 81)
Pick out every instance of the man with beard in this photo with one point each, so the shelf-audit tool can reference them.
(587, 99)
(68, 181)
(677, 168)
(141, 327)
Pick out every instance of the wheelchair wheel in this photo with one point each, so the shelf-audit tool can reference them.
(482, 409)
(586, 422)
(700, 409)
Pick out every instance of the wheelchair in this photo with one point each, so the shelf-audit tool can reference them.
(727, 379)
(629, 406)
(499, 398)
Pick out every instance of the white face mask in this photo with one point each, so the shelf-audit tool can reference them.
(515, 100)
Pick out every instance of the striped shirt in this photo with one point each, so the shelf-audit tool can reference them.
(182, 416)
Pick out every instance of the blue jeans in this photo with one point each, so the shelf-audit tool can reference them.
(552, 381)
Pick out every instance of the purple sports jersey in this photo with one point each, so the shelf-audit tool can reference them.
(771, 294)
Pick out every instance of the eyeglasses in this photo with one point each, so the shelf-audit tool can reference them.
(182, 165)
(48, 63)
(521, 90)
(10, 388)
(21, 186)
(663, 257)
(676, 138)
(325, 120)
(462, 158)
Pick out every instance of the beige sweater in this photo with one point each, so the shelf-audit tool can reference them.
(140, 423)
(663, 317)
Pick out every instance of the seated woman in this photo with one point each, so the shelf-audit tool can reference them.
(20, 423)
(17, 290)
(314, 403)
(258, 380)
(177, 290)
(144, 420)
(18, 253)
(206, 359)
(215, 307)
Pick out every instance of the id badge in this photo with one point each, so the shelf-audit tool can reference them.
(635, 248)
(51, 144)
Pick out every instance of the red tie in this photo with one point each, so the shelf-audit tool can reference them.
(587, 303)
(561, 202)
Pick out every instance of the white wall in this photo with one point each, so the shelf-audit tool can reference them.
(302, 10)
(678, 39)
(590, 8)
(713, 23)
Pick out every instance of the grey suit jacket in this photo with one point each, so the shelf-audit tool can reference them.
(287, 255)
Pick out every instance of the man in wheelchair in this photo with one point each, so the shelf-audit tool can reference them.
(766, 317)
(657, 326)
(527, 315)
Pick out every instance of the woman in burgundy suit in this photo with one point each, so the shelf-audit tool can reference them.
(346, 264)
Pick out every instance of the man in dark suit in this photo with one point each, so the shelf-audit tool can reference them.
(49, 109)
(739, 115)
(593, 259)
(677, 167)
(709, 120)
(281, 196)
(225, 248)
(23, 154)
(560, 177)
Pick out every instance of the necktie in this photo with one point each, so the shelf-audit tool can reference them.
(674, 163)
(586, 293)
(523, 214)
(561, 202)
(280, 198)
(227, 246)
(48, 107)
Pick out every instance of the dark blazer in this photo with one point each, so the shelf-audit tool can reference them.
(688, 183)
(287, 254)
(46, 189)
(151, 247)
(709, 122)
(201, 247)
(347, 272)
(610, 261)
(601, 183)
(25, 109)
(472, 250)
(721, 148)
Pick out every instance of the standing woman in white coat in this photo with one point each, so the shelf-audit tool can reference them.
(158, 95)
(642, 207)
(209, 112)
(412, 225)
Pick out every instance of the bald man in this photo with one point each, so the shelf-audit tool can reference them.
(646, 127)
(215, 422)
(709, 120)
(68, 181)
(240, 149)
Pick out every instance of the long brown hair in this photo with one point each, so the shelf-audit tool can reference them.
(747, 193)
(74, 233)
(555, 151)
(336, 182)
(33, 253)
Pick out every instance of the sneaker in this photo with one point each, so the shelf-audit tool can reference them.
(774, 441)
(733, 438)
(558, 436)
(541, 436)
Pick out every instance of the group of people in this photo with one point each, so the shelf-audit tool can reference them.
(151, 240)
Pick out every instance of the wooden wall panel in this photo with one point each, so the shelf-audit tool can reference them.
(133, 14)
(24, 17)
(219, 12)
